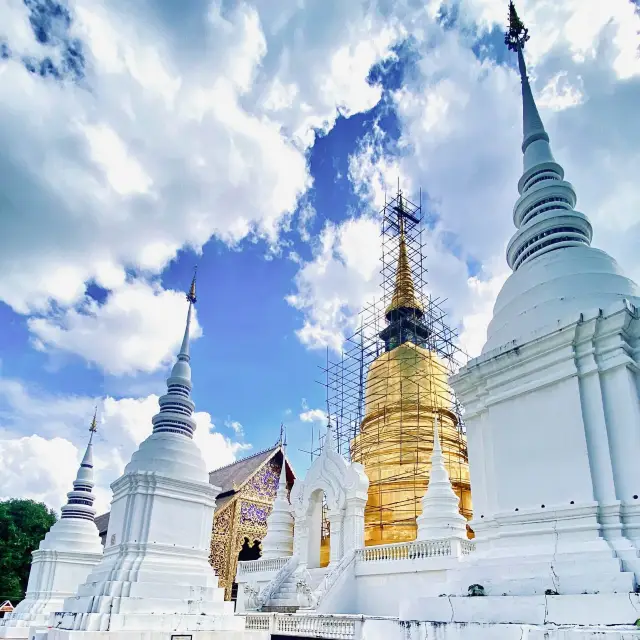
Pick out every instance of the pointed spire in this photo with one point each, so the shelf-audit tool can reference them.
(282, 483)
(532, 127)
(330, 443)
(440, 517)
(191, 297)
(544, 212)
(404, 293)
(176, 406)
(80, 499)
(94, 425)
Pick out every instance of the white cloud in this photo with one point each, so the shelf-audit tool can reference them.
(177, 133)
(314, 415)
(334, 285)
(139, 327)
(459, 119)
(163, 146)
(42, 466)
(235, 426)
(37, 468)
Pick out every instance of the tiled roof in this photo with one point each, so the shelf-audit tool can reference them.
(239, 471)
(102, 522)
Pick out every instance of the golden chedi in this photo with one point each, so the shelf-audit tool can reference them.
(406, 388)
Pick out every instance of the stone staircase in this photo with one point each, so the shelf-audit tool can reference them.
(286, 599)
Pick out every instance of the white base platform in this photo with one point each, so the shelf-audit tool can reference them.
(462, 631)
(57, 634)
(16, 632)
(582, 610)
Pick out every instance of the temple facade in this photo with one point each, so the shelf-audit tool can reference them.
(248, 490)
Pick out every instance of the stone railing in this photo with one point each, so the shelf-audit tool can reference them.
(467, 547)
(259, 622)
(310, 626)
(274, 586)
(263, 564)
(405, 551)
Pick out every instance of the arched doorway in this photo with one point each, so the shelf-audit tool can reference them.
(319, 541)
(250, 551)
(325, 534)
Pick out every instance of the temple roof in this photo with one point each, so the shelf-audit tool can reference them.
(229, 479)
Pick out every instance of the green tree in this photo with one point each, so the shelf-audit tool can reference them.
(23, 524)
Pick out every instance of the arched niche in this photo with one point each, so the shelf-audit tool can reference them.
(345, 486)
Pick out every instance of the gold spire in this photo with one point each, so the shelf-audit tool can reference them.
(404, 294)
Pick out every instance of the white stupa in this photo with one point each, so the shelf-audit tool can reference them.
(278, 543)
(552, 404)
(440, 517)
(155, 577)
(64, 558)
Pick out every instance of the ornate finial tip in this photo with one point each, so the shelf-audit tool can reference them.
(191, 296)
(94, 425)
(517, 35)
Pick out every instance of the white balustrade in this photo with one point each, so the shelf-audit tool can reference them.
(467, 547)
(259, 622)
(340, 627)
(312, 626)
(405, 551)
(262, 564)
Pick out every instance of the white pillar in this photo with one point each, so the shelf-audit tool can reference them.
(335, 538)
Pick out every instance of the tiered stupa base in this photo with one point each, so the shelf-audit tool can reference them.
(64, 559)
(142, 588)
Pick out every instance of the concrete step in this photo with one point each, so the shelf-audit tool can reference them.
(278, 609)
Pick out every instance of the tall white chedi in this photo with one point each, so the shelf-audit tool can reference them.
(278, 542)
(70, 549)
(440, 517)
(552, 409)
(155, 573)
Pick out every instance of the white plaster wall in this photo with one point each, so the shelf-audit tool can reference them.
(342, 597)
(462, 631)
(382, 594)
(538, 441)
(166, 528)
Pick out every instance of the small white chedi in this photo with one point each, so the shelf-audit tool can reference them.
(278, 543)
(155, 577)
(64, 558)
(440, 518)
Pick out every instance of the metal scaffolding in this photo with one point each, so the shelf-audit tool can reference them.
(386, 387)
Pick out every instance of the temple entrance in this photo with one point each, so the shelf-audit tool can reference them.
(249, 551)
(319, 531)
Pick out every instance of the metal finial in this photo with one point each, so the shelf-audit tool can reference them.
(517, 35)
(94, 425)
(191, 296)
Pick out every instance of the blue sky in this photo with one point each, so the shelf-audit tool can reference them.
(257, 141)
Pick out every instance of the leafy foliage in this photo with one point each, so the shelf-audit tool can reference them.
(23, 524)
